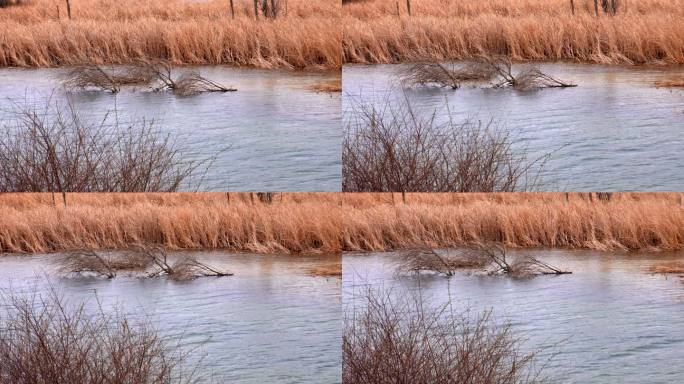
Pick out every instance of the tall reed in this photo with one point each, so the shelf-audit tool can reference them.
(302, 35)
(334, 222)
(639, 32)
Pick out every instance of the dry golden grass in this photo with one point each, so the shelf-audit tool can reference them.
(647, 31)
(293, 223)
(304, 35)
(334, 222)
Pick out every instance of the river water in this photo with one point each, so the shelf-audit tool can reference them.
(273, 134)
(616, 131)
(611, 321)
(272, 322)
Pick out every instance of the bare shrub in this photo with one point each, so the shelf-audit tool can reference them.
(86, 77)
(394, 149)
(187, 84)
(56, 150)
(405, 340)
(445, 263)
(182, 269)
(102, 264)
(330, 86)
(447, 75)
(528, 79)
(45, 339)
(673, 82)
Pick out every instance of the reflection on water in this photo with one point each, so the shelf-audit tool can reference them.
(270, 323)
(611, 321)
(275, 133)
(615, 132)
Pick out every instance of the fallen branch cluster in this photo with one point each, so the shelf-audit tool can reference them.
(158, 75)
(187, 84)
(85, 77)
(498, 70)
(447, 75)
(519, 267)
(491, 257)
(445, 263)
(149, 261)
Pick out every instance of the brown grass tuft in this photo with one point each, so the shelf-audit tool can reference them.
(672, 267)
(640, 32)
(333, 269)
(671, 83)
(332, 86)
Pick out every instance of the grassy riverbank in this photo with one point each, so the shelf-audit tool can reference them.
(644, 32)
(334, 222)
(300, 35)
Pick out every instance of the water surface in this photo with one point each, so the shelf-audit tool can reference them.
(615, 132)
(273, 134)
(610, 321)
(269, 323)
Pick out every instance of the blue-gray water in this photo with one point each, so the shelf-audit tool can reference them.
(269, 323)
(614, 132)
(273, 134)
(611, 321)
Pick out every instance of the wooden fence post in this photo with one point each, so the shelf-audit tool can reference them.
(69, 8)
(572, 6)
(403, 197)
(596, 7)
(232, 9)
(408, 6)
(256, 9)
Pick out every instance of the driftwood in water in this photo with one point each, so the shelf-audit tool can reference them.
(493, 257)
(528, 79)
